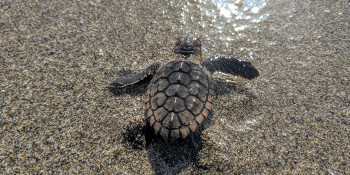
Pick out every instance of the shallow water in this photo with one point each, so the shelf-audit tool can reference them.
(223, 15)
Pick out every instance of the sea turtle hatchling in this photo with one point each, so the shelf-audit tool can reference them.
(179, 96)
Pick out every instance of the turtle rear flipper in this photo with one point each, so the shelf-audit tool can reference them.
(135, 78)
(232, 66)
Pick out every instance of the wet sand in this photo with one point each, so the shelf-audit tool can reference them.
(58, 115)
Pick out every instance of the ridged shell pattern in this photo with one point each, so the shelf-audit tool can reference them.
(178, 99)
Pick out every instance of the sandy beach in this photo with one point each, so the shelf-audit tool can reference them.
(59, 116)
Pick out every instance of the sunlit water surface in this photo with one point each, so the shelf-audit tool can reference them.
(221, 16)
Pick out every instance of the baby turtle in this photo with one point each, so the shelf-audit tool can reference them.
(179, 96)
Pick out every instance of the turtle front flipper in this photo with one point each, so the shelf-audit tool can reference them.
(232, 66)
(135, 78)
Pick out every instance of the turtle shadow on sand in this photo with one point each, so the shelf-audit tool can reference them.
(223, 87)
(173, 157)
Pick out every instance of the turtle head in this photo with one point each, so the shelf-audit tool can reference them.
(187, 46)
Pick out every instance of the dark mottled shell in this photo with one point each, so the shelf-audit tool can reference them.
(178, 99)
